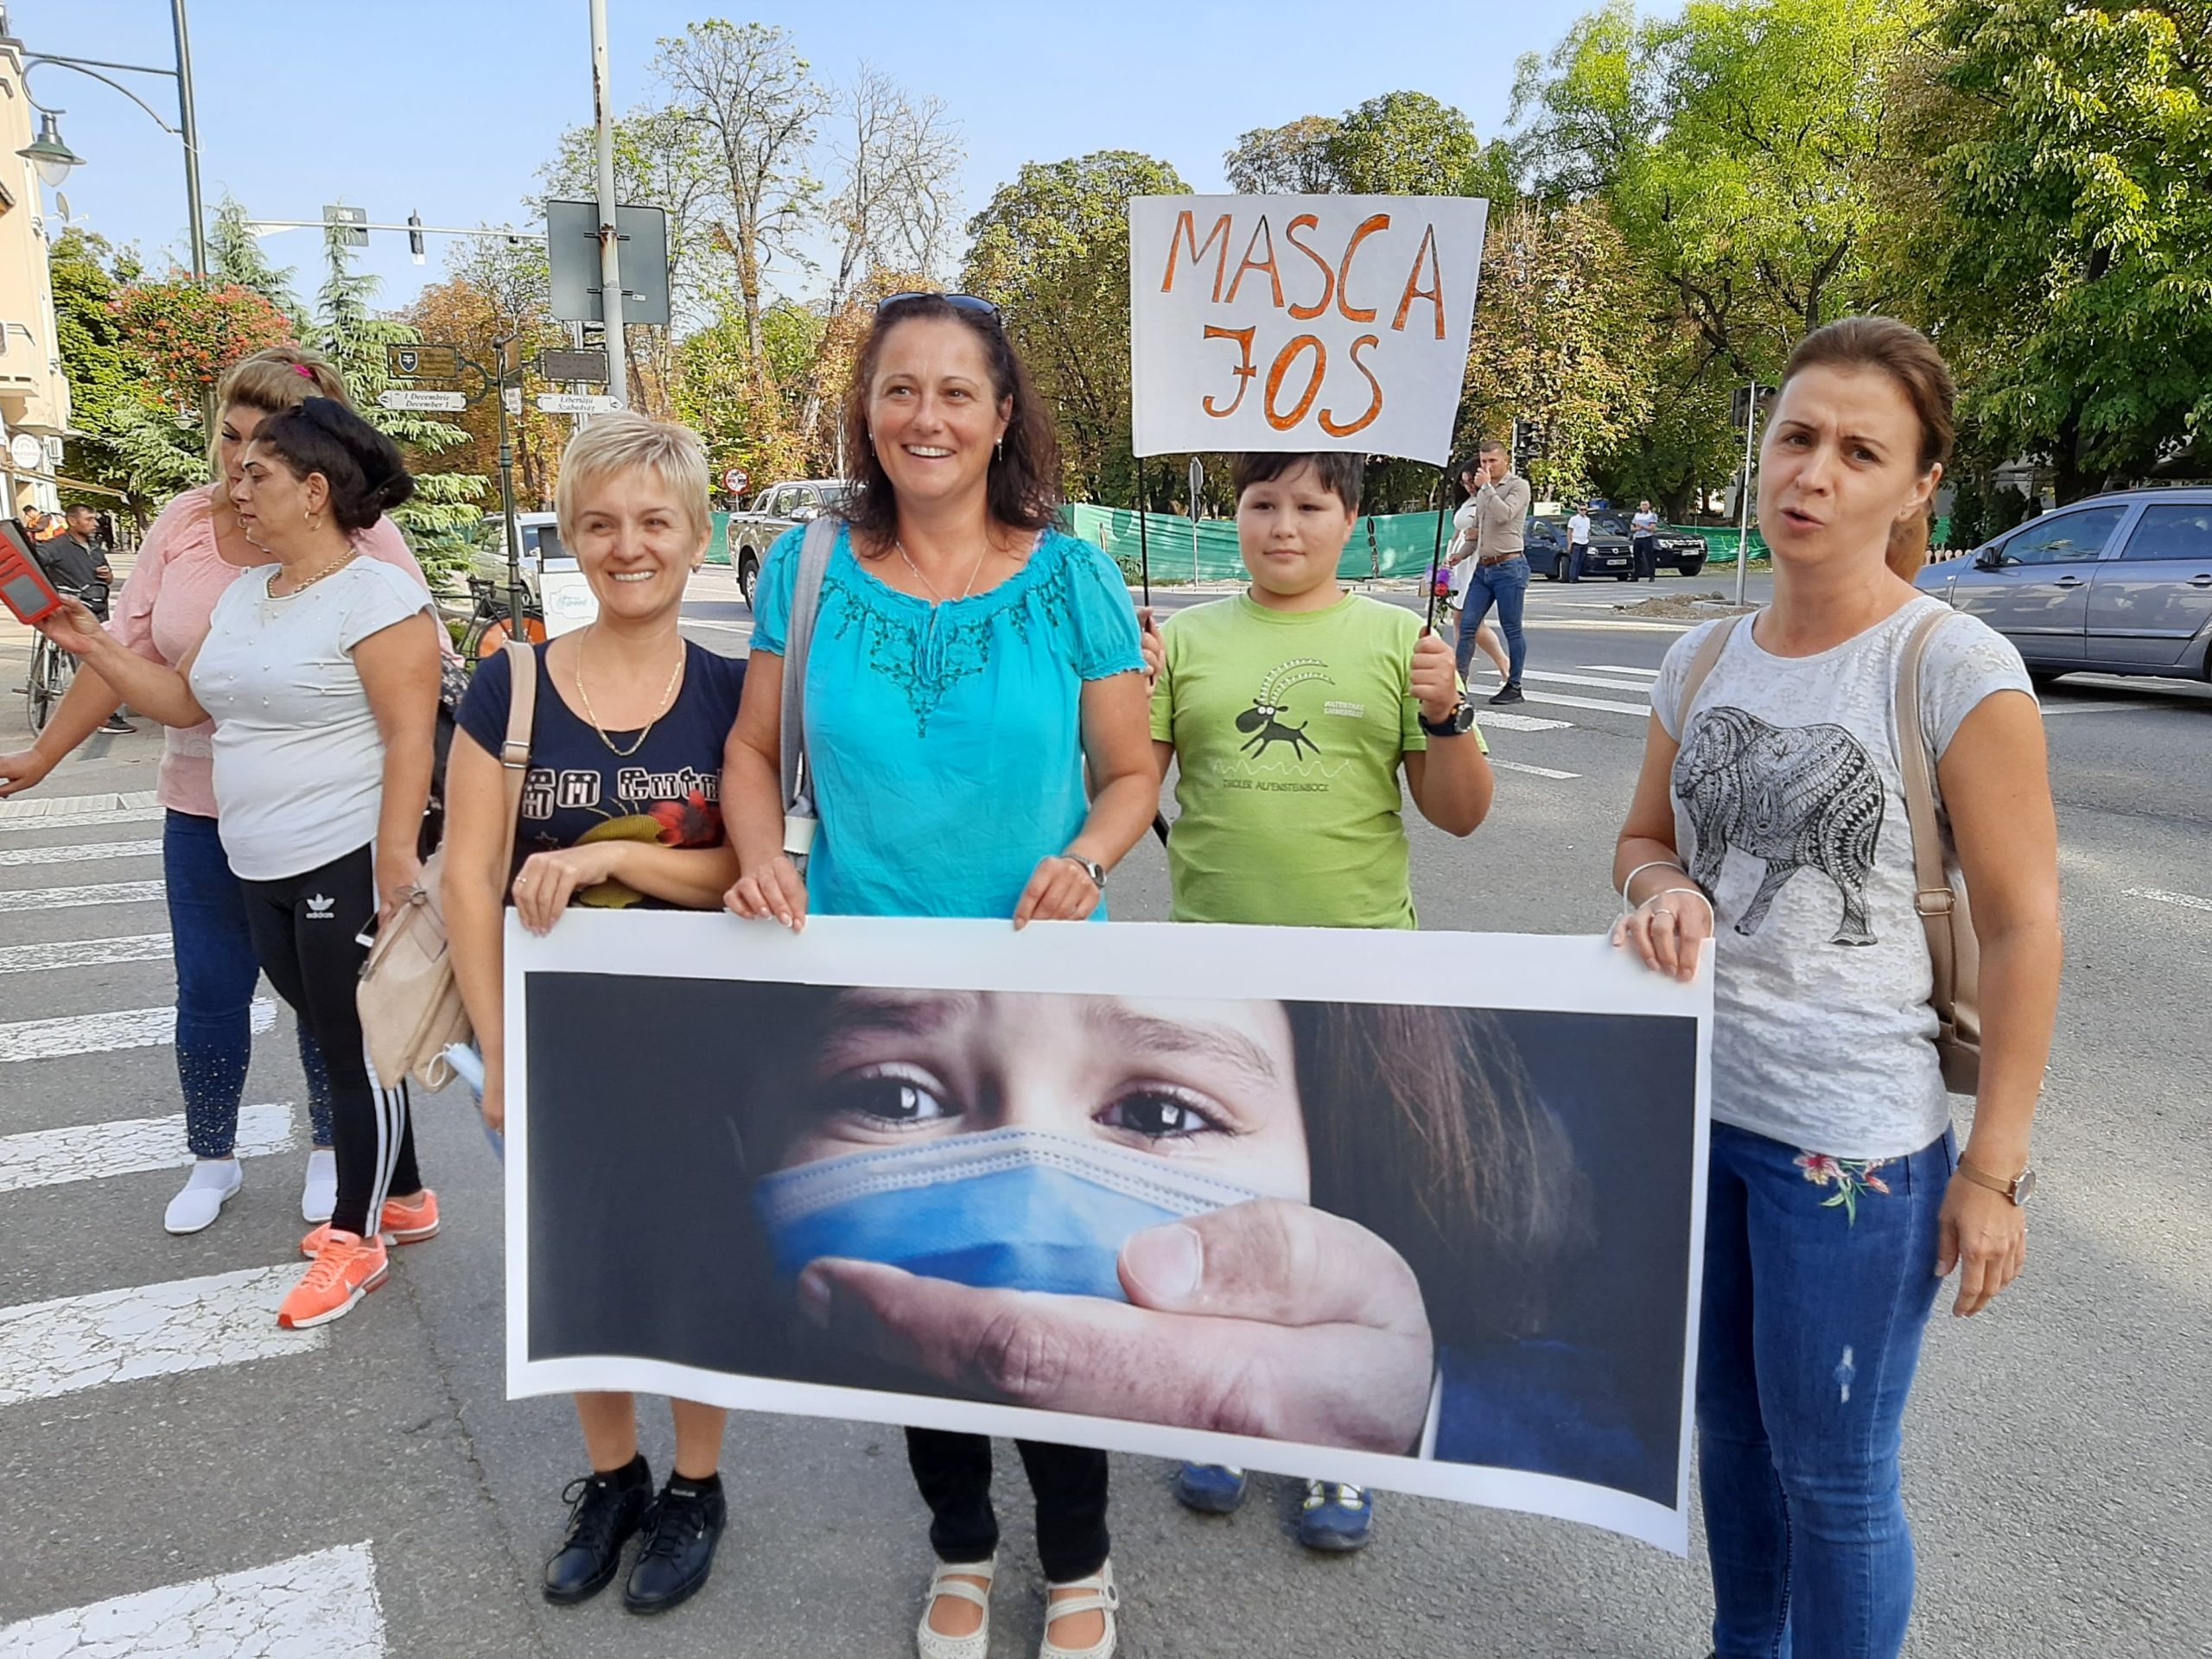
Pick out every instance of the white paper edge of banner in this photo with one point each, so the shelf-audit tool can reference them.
(1442, 458)
(1554, 972)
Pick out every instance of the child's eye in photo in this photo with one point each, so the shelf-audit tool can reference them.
(1161, 1113)
(886, 1097)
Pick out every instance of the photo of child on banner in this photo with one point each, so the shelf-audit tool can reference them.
(1451, 1244)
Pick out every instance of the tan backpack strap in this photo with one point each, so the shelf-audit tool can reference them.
(1933, 899)
(514, 753)
(1709, 653)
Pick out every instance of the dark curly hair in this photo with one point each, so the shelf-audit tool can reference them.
(362, 466)
(1025, 488)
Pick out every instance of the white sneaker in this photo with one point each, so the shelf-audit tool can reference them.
(320, 1196)
(212, 1184)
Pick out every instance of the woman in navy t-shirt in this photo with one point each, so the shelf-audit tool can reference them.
(621, 805)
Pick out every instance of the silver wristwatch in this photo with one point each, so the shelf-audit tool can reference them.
(1089, 867)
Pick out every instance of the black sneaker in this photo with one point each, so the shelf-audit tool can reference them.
(1509, 692)
(679, 1553)
(603, 1511)
(118, 725)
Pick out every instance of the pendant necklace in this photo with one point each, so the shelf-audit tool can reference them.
(667, 692)
(966, 588)
(330, 569)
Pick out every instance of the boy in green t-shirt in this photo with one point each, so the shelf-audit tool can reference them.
(1289, 711)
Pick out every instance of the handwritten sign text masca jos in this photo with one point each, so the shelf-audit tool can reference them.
(1300, 322)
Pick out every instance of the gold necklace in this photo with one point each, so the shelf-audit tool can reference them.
(330, 569)
(966, 588)
(667, 693)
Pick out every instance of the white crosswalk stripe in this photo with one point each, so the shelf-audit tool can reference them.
(85, 820)
(100, 1033)
(323, 1605)
(25, 808)
(1533, 771)
(1558, 700)
(74, 1343)
(81, 853)
(87, 1151)
(1505, 722)
(111, 893)
(83, 953)
(1618, 668)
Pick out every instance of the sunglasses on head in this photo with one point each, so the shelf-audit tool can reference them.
(957, 302)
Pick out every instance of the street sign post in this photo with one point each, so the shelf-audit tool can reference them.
(588, 365)
(576, 402)
(735, 479)
(355, 221)
(423, 362)
(512, 399)
(411, 397)
(1198, 483)
(572, 252)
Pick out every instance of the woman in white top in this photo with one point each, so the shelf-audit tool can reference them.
(1460, 559)
(321, 674)
(1771, 818)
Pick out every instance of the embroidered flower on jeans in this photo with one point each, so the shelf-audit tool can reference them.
(1849, 1176)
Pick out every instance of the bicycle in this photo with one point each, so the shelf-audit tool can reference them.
(52, 669)
(485, 628)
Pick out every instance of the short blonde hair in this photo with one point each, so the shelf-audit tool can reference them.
(272, 381)
(621, 443)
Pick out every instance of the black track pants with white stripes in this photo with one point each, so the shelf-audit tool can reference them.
(305, 930)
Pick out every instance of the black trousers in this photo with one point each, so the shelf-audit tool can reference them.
(1647, 559)
(304, 930)
(954, 1471)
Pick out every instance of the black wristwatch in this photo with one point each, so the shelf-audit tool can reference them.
(1458, 723)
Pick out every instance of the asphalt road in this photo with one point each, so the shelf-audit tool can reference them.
(374, 1492)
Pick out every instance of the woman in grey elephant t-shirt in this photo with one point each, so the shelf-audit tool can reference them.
(1771, 818)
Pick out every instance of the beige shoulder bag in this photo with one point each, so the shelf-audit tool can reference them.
(410, 1006)
(1953, 954)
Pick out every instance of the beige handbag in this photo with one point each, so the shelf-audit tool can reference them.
(1953, 953)
(410, 1006)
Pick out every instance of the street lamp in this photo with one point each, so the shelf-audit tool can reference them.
(53, 158)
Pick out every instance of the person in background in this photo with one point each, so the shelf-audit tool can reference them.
(622, 704)
(190, 556)
(321, 674)
(1643, 541)
(1500, 574)
(972, 668)
(1578, 543)
(1836, 1199)
(1461, 573)
(77, 567)
(1337, 857)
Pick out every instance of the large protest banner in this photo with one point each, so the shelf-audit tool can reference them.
(1419, 1210)
(1300, 322)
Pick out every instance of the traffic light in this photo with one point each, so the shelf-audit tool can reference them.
(1528, 443)
(415, 245)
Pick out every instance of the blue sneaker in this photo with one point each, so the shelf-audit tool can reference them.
(1336, 1517)
(1210, 1488)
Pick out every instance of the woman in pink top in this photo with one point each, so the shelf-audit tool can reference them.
(193, 551)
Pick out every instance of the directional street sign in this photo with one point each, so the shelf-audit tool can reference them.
(407, 397)
(349, 218)
(512, 399)
(429, 362)
(577, 403)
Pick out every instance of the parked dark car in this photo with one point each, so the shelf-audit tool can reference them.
(1545, 540)
(2119, 583)
(1672, 550)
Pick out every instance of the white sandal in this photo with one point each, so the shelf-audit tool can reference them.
(934, 1644)
(1103, 1597)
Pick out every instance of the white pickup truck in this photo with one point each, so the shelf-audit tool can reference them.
(752, 532)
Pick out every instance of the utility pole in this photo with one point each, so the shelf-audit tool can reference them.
(1744, 502)
(610, 243)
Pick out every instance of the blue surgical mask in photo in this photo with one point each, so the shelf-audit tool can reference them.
(1007, 1209)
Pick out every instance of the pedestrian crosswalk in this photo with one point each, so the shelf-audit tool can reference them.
(87, 1122)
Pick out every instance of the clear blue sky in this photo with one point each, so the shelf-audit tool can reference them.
(448, 107)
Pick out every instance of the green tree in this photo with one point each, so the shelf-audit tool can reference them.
(354, 340)
(1403, 144)
(236, 258)
(1292, 160)
(1051, 250)
(94, 360)
(2053, 227)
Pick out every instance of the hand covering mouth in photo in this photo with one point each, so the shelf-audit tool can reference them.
(1007, 1210)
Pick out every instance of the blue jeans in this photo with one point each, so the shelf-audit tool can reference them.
(1820, 1274)
(1575, 556)
(216, 970)
(1504, 584)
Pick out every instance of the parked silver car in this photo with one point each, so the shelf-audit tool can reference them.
(2119, 583)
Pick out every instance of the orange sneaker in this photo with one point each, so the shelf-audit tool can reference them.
(399, 1223)
(347, 1268)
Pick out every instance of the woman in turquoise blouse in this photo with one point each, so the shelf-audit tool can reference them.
(969, 662)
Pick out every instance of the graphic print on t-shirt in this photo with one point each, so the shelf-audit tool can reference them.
(1263, 724)
(1797, 798)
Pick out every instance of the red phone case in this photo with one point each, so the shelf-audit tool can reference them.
(24, 585)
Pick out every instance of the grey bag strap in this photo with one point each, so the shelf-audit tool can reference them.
(1709, 653)
(814, 552)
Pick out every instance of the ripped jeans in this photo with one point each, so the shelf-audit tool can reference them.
(1819, 1281)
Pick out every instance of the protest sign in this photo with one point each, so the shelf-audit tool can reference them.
(1418, 1211)
(1300, 322)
